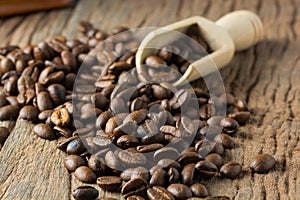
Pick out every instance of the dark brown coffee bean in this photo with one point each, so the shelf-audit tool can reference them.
(99, 100)
(180, 191)
(166, 152)
(44, 101)
(132, 159)
(112, 160)
(135, 186)
(149, 148)
(199, 190)
(158, 192)
(228, 98)
(153, 138)
(69, 60)
(117, 105)
(9, 112)
(263, 163)
(69, 81)
(103, 118)
(72, 162)
(138, 172)
(60, 117)
(160, 92)
(206, 169)
(167, 163)
(229, 125)
(137, 104)
(44, 131)
(85, 193)
(158, 178)
(3, 101)
(109, 183)
(10, 86)
(218, 148)
(6, 65)
(240, 117)
(214, 121)
(29, 113)
(231, 170)
(215, 159)
(57, 93)
(210, 132)
(117, 67)
(173, 175)
(85, 174)
(126, 141)
(96, 163)
(165, 53)
(55, 77)
(187, 174)
(188, 157)
(75, 147)
(241, 105)
(137, 116)
(4, 133)
(225, 140)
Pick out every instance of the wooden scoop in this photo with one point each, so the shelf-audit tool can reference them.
(235, 31)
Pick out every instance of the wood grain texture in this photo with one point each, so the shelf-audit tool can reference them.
(267, 76)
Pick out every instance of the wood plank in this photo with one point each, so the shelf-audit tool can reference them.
(32, 168)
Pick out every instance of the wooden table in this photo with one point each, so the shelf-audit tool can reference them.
(267, 76)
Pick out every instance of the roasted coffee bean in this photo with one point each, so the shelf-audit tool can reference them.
(10, 86)
(4, 133)
(173, 175)
(9, 112)
(57, 93)
(188, 157)
(199, 190)
(99, 100)
(75, 147)
(149, 148)
(159, 92)
(117, 67)
(206, 169)
(29, 113)
(225, 140)
(137, 116)
(69, 60)
(166, 152)
(6, 65)
(112, 160)
(228, 98)
(132, 159)
(55, 77)
(85, 193)
(137, 104)
(263, 163)
(210, 132)
(138, 172)
(217, 198)
(117, 105)
(158, 178)
(187, 174)
(154, 61)
(241, 105)
(180, 191)
(109, 183)
(215, 159)
(85, 174)
(126, 141)
(135, 197)
(44, 131)
(153, 138)
(3, 101)
(158, 192)
(72, 162)
(44, 101)
(214, 121)
(241, 117)
(135, 186)
(229, 125)
(231, 170)
(44, 115)
(103, 118)
(60, 117)
(165, 53)
(167, 163)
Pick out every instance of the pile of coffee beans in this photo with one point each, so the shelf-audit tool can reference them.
(143, 138)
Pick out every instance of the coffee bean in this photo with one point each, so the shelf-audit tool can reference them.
(75, 147)
(9, 112)
(187, 174)
(149, 148)
(109, 183)
(132, 159)
(137, 116)
(215, 159)
(160, 92)
(117, 67)
(217, 198)
(188, 157)
(206, 169)
(44, 131)
(135, 186)
(99, 100)
(263, 163)
(57, 93)
(210, 132)
(4, 133)
(85, 174)
(241, 105)
(135, 197)
(103, 118)
(117, 105)
(241, 117)
(138, 104)
(126, 141)
(158, 192)
(225, 140)
(72, 162)
(173, 175)
(167, 163)
(154, 61)
(214, 121)
(96, 163)
(44, 101)
(138, 172)
(29, 113)
(179, 191)
(166, 152)
(199, 190)
(229, 125)
(10, 86)
(85, 193)
(112, 160)
(3, 101)
(158, 178)
(60, 117)
(69, 60)
(231, 170)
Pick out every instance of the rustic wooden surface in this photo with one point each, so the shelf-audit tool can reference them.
(267, 76)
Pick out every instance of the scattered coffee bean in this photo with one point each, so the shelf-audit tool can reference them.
(9, 112)
(72, 162)
(85, 174)
(225, 140)
(231, 169)
(85, 193)
(109, 183)
(180, 191)
(158, 192)
(199, 190)
(263, 163)
(44, 131)
(29, 113)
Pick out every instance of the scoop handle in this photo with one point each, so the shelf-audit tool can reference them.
(244, 27)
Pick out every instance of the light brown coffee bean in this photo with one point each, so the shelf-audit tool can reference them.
(263, 163)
